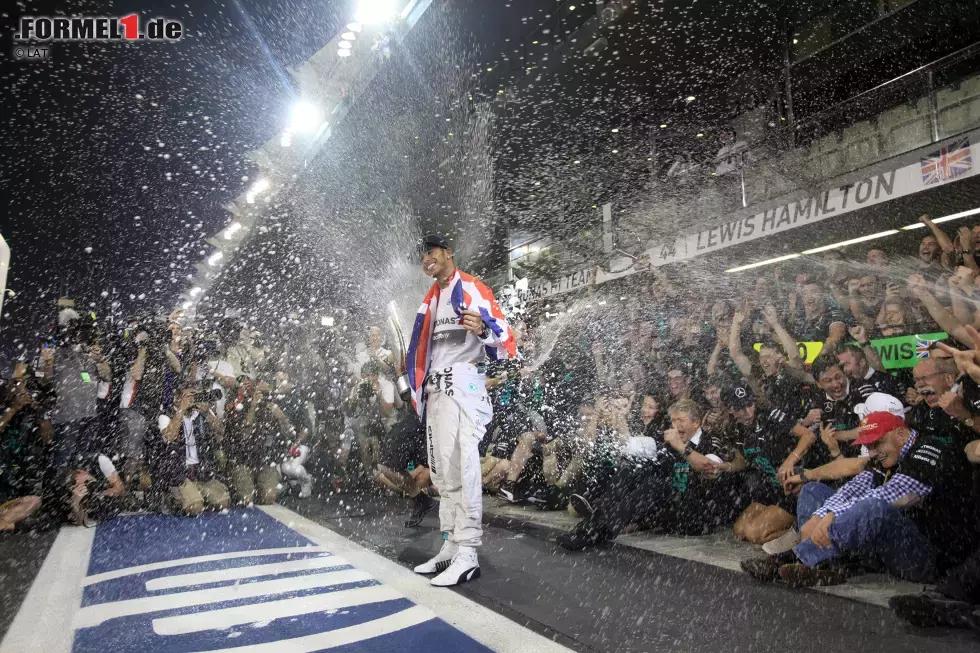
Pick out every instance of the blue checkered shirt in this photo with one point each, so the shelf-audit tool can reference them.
(862, 487)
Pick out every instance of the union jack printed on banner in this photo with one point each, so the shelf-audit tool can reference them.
(949, 162)
(922, 347)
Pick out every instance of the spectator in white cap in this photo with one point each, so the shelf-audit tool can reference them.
(879, 402)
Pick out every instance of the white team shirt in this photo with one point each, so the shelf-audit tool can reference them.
(451, 343)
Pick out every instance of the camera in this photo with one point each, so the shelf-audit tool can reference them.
(207, 393)
(365, 391)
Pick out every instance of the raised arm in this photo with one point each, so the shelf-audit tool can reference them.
(171, 433)
(854, 303)
(735, 344)
(782, 335)
(804, 440)
(961, 294)
(946, 320)
(945, 243)
(138, 367)
(861, 336)
(720, 343)
(966, 245)
(836, 336)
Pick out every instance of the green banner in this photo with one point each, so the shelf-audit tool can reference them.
(895, 353)
(905, 351)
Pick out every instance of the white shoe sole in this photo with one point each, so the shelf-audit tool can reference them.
(783, 543)
(470, 574)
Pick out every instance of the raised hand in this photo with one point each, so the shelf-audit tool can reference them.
(967, 360)
(966, 238)
(769, 313)
(858, 333)
(918, 285)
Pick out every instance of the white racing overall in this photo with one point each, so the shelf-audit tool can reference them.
(457, 414)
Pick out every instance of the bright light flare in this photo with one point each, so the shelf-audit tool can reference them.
(375, 11)
(945, 218)
(852, 241)
(232, 229)
(770, 261)
(304, 118)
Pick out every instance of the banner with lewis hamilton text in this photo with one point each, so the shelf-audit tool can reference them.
(952, 161)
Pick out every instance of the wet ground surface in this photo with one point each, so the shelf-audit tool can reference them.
(622, 599)
(615, 598)
(21, 556)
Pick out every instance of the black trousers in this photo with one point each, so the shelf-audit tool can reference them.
(635, 492)
(645, 493)
(963, 582)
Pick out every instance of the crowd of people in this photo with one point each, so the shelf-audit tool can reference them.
(649, 416)
(832, 419)
(161, 416)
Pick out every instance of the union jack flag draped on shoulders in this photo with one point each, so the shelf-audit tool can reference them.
(467, 293)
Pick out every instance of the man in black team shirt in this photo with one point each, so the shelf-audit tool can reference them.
(767, 439)
(934, 377)
(837, 399)
(910, 509)
(863, 367)
(673, 495)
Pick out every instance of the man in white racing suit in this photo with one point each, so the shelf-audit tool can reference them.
(457, 326)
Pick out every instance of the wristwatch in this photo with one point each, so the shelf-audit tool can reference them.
(688, 449)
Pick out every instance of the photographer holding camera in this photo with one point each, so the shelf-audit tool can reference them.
(250, 424)
(24, 432)
(370, 405)
(82, 452)
(184, 456)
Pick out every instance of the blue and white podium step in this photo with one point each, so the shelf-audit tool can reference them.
(255, 580)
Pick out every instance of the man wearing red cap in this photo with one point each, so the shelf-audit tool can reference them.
(910, 509)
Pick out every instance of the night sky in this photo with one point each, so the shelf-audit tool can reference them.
(119, 157)
(132, 149)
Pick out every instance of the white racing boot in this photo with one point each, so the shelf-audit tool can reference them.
(441, 560)
(464, 567)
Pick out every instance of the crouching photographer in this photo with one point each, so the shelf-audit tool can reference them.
(184, 454)
(24, 433)
(370, 405)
